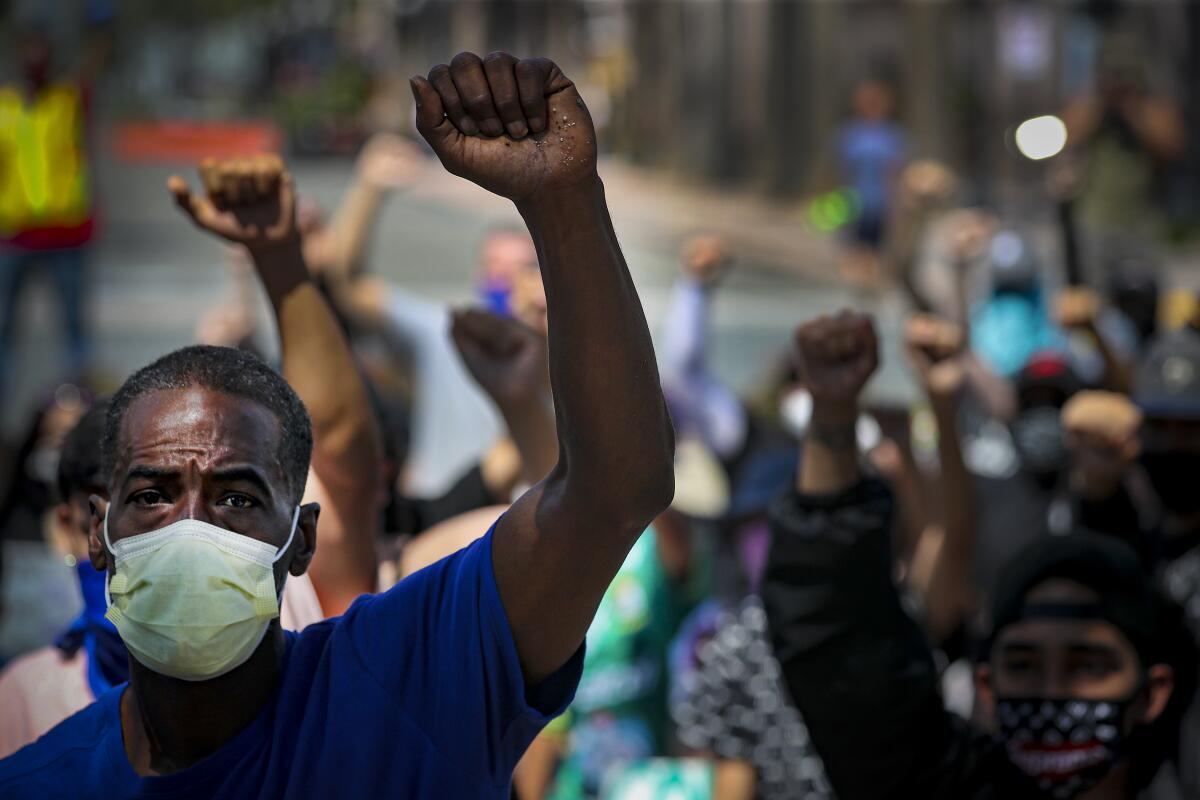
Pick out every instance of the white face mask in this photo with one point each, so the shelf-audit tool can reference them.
(192, 600)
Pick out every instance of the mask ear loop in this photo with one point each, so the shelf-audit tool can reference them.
(291, 535)
(107, 571)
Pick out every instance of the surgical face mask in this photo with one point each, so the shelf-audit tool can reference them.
(192, 600)
(1066, 746)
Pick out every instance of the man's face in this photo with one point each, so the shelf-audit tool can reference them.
(204, 455)
(872, 101)
(1080, 659)
(505, 257)
(529, 300)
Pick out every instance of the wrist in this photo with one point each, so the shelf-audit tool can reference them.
(280, 265)
(829, 413)
(548, 205)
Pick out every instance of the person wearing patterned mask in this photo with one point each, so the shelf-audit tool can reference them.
(1078, 696)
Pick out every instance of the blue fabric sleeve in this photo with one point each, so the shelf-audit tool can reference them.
(440, 643)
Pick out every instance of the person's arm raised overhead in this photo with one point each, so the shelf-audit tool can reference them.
(508, 361)
(518, 128)
(858, 669)
(252, 202)
(387, 163)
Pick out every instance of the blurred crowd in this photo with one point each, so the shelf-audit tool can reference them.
(991, 592)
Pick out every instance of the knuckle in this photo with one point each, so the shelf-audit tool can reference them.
(498, 57)
(465, 58)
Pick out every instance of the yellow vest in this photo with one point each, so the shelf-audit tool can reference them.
(44, 179)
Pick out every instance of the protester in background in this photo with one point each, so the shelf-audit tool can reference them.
(38, 591)
(939, 570)
(701, 404)
(478, 651)
(1077, 676)
(1106, 491)
(47, 214)
(870, 150)
(1013, 321)
(1124, 136)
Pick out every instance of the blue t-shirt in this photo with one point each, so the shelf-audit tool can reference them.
(416, 692)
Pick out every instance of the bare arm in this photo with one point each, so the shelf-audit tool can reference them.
(508, 360)
(948, 595)
(387, 163)
(558, 548)
(318, 364)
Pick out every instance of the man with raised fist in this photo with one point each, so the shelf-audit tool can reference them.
(1078, 674)
(436, 687)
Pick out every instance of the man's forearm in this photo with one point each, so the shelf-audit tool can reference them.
(615, 437)
(352, 227)
(829, 459)
(316, 359)
(346, 453)
(533, 431)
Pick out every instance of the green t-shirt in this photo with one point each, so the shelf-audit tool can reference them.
(619, 714)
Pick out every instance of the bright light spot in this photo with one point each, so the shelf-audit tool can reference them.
(1041, 137)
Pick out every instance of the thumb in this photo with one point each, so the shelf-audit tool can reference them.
(184, 198)
(431, 115)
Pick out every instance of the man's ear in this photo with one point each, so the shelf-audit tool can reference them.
(1160, 683)
(306, 532)
(96, 551)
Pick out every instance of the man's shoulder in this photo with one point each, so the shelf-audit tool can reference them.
(61, 754)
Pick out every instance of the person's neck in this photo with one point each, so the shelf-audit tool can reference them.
(1115, 786)
(170, 724)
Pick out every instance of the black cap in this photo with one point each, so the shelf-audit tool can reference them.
(1168, 376)
(1111, 568)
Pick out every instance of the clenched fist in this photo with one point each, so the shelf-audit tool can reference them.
(516, 127)
(1102, 435)
(506, 358)
(248, 201)
(1077, 307)
(705, 258)
(933, 345)
(836, 355)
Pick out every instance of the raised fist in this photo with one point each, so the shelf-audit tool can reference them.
(1102, 437)
(836, 355)
(933, 345)
(388, 161)
(248, 201)
(705, 258)
(969, 232)
(926, 184)
(1104, 419)
(1077, 307)
(515, 127)
(507, 359)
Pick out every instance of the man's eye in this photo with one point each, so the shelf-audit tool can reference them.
(148, 497)
(1019, 666)
(237, 501)
(1095, 667)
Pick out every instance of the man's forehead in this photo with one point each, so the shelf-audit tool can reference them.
(195, 423)
(1057, 634)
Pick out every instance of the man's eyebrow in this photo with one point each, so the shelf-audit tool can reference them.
(144, 472)
(1092, 648)
(1019, 647)
(244, 474)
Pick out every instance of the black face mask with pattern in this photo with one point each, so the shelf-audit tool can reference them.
(1066, 746)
